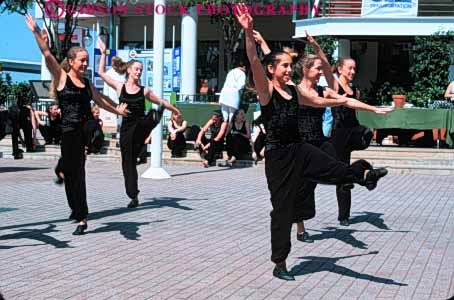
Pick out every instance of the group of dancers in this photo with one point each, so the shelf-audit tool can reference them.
(297, 155)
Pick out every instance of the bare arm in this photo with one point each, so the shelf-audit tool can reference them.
(326, 67)
(50, 60)
(182, 128)
(117, 85)
(306, 98)
(262, 84)
(221, 133)
(107, 103)
(150, 96)
(356, 104)
(202, 132)
(448, 93)
(169, 127)
(261, 41)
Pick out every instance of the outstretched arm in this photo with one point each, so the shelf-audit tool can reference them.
(262, 84)
(107, 103)
(156, 100)
(333, 99)
(117, 85)
(50, 60)
(326, 67)
(356, 104)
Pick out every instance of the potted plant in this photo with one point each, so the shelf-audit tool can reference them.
(398, 95)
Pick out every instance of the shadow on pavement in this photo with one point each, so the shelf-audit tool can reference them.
(157, 202)
(38, 235)
(19, 169)
(344, 235)
(313, 264)
(375, 219)
(7, 209)
(130, 230)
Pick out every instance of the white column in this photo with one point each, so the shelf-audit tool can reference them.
(156, 171)
(343, 48)
(189, 54)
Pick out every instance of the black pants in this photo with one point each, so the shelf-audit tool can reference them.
(238, 146)
(132, 137)
(51, 134)
(72, 164)
(305, 204)
(285, 171)
(214, 151)
(26, 126)
(346, 140)
(178, 145)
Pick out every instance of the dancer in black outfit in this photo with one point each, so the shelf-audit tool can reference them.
(288, 160)
(136, 126)
(311, 127)
(347, 134)
(74, 93)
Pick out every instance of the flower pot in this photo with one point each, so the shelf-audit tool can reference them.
(399, 100)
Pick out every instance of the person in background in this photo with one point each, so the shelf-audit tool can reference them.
(230, 97)
(96, 112)
(51, 131)
(238, 140)
(115, 72)
(450, 91)
(176, 140)
(210, 140)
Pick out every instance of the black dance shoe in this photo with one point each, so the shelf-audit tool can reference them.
(373, 176)
(80, 229)
(134, 203)
(304, 237)
(282, 273)
(344, 222)
(18, 155)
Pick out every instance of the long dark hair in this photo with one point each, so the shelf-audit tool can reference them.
(272, 59)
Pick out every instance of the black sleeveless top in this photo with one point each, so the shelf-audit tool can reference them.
(74, 104)
(344, 117)
(136, 104)
(241, 130)
(55, 123)
(174, 127)
(280, 117)
(213, 131)
(310, 122)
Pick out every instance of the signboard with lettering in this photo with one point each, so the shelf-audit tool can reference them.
(389, 8)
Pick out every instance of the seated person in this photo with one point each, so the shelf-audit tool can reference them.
(176, 140)
(258, 139)
(450, 91)
(51, 131)
(210, 140)
(96, 112)
(93, 132)
(238, 140)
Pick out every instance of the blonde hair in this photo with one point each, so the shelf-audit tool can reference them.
(94, 108)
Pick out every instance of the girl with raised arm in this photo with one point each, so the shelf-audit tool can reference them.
(136, 126)
(311, 126)
(74, 93)
(287, 161)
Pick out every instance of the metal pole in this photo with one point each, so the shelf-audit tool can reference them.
(156, 171)
(144, 37)
(117, 38)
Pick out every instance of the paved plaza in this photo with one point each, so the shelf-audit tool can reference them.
(204, 234)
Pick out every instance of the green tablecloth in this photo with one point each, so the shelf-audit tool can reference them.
(411, 118)
(199, 113)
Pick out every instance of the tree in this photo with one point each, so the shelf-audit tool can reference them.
(59, 43)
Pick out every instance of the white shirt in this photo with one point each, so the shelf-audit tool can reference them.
(111, 92)
(230, 93)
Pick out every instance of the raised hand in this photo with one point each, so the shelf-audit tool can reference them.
(30, 21)
(257, 37)
(243, 17)
(101, 46)
(311, 40)
(45, 36)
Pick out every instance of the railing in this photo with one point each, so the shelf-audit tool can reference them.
(436, 8)
(340, 8)
(198, 98)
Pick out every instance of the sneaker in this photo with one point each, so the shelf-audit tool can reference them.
(282, 273)
(373, 176)
(304, 237)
